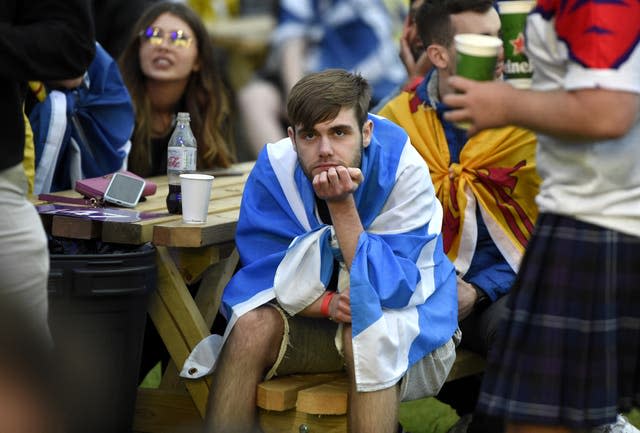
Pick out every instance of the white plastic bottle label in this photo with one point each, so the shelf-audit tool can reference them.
(181, 158)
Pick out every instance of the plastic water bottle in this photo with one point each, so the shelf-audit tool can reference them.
(181, 158)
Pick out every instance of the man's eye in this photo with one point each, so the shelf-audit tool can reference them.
(309, 136)
(339, 132)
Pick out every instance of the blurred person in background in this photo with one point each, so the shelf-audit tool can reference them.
(114, 22)
(412, 54)
(29, 384)
(39, 40)
(311, 36)
(412, 50)
(170, 66)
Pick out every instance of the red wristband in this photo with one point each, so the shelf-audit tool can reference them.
(324, 307)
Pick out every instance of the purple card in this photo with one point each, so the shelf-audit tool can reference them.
(93, 213)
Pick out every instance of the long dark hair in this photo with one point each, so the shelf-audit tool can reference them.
(206, 97)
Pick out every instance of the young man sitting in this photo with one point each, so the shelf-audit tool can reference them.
(342, 264)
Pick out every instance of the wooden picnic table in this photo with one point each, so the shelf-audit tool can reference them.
(186, 254)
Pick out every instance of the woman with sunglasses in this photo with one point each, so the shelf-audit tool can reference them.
(170, 66)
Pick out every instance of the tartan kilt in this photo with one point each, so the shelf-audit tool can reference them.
(568, 352)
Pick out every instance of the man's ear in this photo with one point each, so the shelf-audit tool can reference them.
(439, 56)
(367, 132)
(292, 135)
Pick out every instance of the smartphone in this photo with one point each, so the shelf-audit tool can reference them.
(124, 190)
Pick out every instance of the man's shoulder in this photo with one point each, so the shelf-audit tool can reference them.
(388, 110)
(392, 144)
(505, 134)
(280, 149)
(384, 128)
(281, 146)
(413, 84)
(402, 108)
(275, 157)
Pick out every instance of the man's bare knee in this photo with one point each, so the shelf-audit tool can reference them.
(258, 332)
(347, 346)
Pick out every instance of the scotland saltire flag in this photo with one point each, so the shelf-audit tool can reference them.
(84, 132)
(402, 286)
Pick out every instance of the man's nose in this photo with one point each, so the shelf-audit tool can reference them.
(325, 146)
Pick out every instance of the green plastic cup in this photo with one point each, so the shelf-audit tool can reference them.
(476, 58)
(513, 16)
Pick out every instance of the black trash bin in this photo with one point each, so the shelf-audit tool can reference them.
(97, 314)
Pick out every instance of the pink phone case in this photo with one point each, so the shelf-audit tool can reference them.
(96, 186)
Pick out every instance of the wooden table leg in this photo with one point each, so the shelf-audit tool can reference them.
(213, 283)
(179, 322)
(181, 325)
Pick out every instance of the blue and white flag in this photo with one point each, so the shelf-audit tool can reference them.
(402, 286)
(83, 132)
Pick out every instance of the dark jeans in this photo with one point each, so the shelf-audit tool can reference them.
(478, 332)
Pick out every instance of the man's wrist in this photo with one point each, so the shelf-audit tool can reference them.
(344, 199)
(482, 299)
(326, 300)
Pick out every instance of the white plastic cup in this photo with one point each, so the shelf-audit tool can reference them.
(196, 192)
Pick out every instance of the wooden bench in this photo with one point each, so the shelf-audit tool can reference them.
(306, 403)
(310, 403)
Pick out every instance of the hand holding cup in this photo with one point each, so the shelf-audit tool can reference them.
(477, 56)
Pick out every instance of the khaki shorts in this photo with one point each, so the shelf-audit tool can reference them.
(24, 256)
(308, 346)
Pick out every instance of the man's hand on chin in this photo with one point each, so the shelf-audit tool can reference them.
(337, 183)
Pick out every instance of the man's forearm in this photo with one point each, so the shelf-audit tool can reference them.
(314, 310)
(583, 114)
(588, 113)
(347, 225)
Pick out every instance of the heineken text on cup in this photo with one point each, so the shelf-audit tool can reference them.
(513, 16)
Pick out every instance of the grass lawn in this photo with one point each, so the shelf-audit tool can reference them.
(426, 416)
(430, 416)
(419, 416)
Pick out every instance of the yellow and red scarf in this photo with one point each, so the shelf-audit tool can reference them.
(497, 170)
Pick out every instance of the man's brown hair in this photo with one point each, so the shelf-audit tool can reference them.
(433, 19)
(320, 96)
